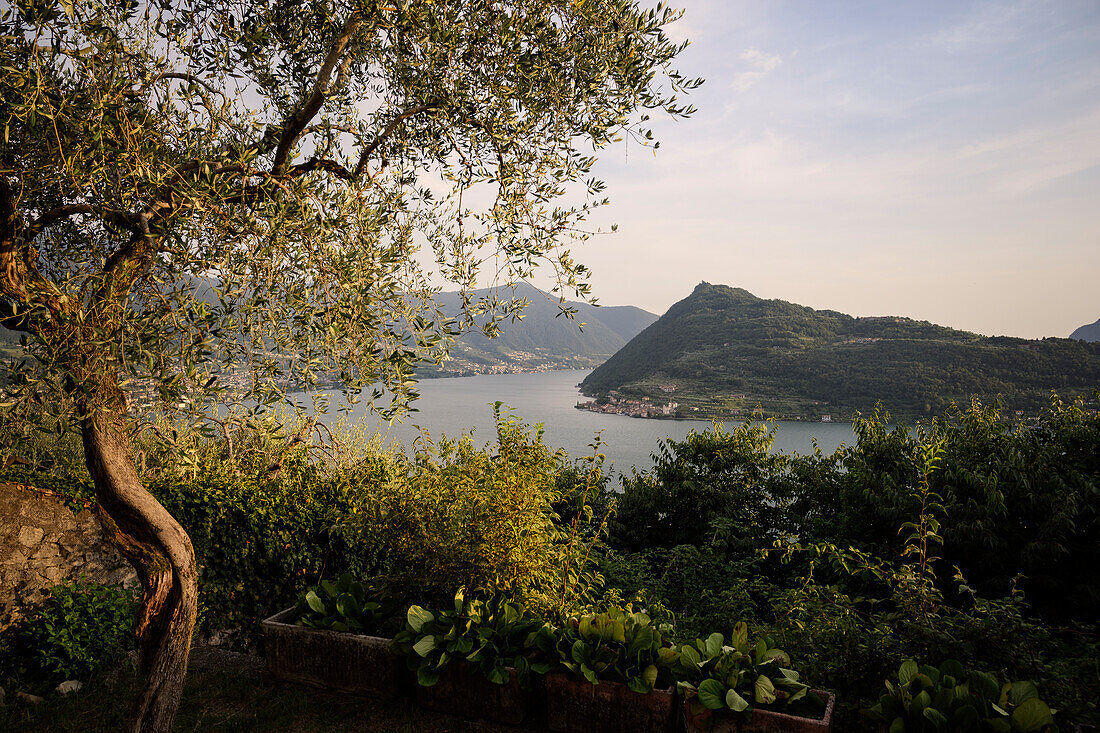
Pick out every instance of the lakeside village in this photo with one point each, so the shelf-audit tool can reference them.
(615, 404)
(633, 408)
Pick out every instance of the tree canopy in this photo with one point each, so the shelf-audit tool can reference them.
(279, 184)
(201, 194)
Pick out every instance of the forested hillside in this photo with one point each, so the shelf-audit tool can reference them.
(543, 338)
(725, 352)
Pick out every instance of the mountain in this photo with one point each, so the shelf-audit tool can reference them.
(1091, 332)
(724, 352)
(542, 339)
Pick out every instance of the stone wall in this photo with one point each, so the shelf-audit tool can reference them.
(42, 542)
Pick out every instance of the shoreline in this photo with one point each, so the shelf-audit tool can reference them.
(710, 418)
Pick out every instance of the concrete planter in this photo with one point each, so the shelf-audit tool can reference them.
(462, 690)
(761, 721)
(352, 663)
(578, 706)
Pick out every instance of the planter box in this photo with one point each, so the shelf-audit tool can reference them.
(578, 706)
(462, 690)
(761, 721)
(352, 663)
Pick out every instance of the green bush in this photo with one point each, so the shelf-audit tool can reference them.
(81, 630)
(711, 476)
(259, 545)
(483, 519)
(951, 698)
(1021, 500)
(990, 509)
(470, 517)
(410, 527)
(618, 644)
(990, 512)
(491, 634)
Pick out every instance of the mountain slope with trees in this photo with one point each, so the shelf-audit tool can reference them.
(725, 352)
(544, 337)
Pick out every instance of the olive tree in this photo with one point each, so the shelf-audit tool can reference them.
(262, 195)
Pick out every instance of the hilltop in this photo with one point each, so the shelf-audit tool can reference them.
(1090, 332)
(723, 351)
(543, 339)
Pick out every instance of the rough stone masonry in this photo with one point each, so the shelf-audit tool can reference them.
(42, 543)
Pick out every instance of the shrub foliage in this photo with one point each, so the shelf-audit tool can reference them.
(970, 538)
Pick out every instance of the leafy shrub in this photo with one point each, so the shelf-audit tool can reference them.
(343, 606)
(705, 587)
(1021, 500)
(618, 644)
(411, 528)
(718, 676)
(989, 508)
(81, 630)
(260, 545)
(949, 698)
(479, 518)
(491, 634)
(710, 475)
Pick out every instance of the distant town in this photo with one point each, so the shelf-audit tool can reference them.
(468, 362)
(615, 403)
(634, 408)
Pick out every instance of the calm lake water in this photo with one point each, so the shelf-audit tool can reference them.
(461, 404)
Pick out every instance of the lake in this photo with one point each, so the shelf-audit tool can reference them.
(456, 405)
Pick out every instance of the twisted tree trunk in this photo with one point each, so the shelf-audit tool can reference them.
(150, 538)
(159, 549)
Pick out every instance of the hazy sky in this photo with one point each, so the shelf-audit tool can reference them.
(938, 160)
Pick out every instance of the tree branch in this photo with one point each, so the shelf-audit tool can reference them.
(14, 319)
(20, 280)
(335, 128)
(322, 164)
(54, 215)
(190, 78)
(387, 131)
(297, 122)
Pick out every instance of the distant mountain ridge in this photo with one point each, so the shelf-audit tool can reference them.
(1090, 332)
(543, 339)
(725, 352)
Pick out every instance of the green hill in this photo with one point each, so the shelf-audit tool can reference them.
(542, 339)
(725, 352)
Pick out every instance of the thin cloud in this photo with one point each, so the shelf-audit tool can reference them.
(760, 64)
(989, 24)
(1021, 162)
(939, 162)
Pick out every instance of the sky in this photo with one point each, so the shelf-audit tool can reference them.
(937, 160)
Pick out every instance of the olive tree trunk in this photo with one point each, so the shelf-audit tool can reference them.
(149, 537)
(159, 549)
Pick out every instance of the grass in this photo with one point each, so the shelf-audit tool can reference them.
(215, 700)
